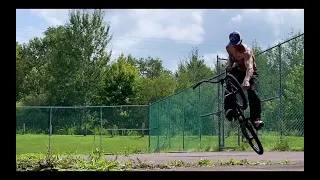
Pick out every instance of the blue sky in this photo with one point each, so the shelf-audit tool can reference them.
(171, 34)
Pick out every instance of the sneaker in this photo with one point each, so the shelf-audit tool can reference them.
(258, 124)
(230, 114)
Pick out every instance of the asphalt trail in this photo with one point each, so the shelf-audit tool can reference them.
(294, 157)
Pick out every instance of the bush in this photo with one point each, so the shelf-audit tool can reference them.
(281, 145)
(133, 133)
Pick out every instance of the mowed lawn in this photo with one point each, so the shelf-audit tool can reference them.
(70, 144)
(79, 144)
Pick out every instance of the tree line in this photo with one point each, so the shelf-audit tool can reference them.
(72, 66)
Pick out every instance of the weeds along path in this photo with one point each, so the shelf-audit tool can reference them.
(200, 161)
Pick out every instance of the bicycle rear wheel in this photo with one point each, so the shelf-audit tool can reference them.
(250, 134)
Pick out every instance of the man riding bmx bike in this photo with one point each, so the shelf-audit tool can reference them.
(241, 64)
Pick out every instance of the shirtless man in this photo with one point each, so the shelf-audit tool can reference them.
(241, 64)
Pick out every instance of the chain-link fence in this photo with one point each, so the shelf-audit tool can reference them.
(194, 119)
(81, 129)
(189, 120)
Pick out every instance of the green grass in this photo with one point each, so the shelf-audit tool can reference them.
(69, 144)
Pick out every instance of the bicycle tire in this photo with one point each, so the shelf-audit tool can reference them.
(247, 125)
(236, 83)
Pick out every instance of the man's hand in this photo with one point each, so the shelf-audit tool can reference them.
(245, 85)
(229, 64)
(229, 68)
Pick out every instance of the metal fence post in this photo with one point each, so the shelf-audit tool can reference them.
(239, 134)
(218, 100)
(149, 127)
(100, 128)
(200, 122)
(169, 127)
(184, 121)
(280, 93)
(50, 130)
(158, 128)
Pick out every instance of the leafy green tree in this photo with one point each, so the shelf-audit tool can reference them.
(79, 58)
(150, 67)
(150, 90)
(19, 72)
(191, 70)
(120, 82)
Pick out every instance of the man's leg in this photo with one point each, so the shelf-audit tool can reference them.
(255, 102)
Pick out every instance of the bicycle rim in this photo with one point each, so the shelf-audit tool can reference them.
(232, 81)
(252, 138)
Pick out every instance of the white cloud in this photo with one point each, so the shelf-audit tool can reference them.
(52, 16)
(135, 30)
(236, 18)
(276, 17)
(177, 25)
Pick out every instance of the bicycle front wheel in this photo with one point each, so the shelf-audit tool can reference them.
(234, 86)
(251, 136)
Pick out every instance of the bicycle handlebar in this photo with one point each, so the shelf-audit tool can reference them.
(210, 80)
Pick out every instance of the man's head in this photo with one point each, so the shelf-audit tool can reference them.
(235, 42)
(235, 38)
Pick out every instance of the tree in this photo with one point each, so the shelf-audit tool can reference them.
(293, 51)
(191, 70)
(79, 59)
(150, 90)
(156, 82)
(19, 72)
(32, 73)
(150, 67)
(120, 82)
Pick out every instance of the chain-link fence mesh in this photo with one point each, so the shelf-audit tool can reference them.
(75, 130)
(200, 117)
(33, 121)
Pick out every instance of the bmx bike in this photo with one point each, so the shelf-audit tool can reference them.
(233, 88)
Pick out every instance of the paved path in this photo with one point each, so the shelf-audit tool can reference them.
(297, 167)
(296, 157)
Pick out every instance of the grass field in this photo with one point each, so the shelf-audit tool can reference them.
(70, 144)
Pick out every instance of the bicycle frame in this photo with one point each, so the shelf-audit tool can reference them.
(239, 113)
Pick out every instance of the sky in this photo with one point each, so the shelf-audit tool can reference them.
(170, 34)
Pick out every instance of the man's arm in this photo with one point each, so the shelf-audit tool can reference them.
(229, 64)
(248, 61)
